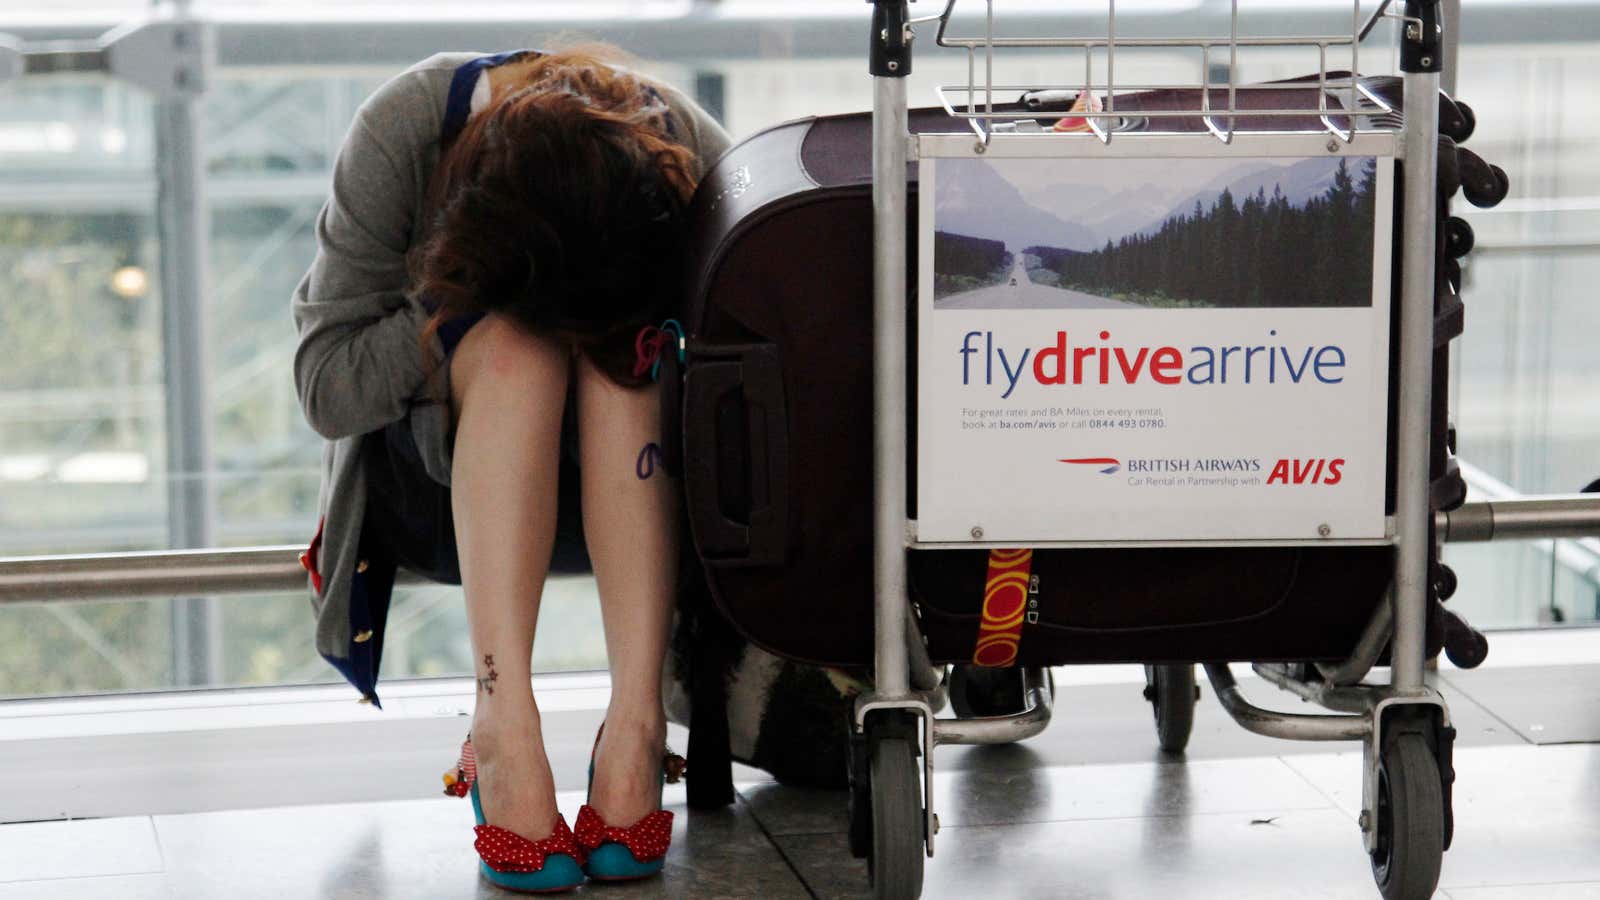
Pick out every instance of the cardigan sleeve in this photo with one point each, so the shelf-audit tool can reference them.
(706, 138)
(360, 359)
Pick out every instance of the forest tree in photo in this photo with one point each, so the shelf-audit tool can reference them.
(964, 263)
(1257, 251)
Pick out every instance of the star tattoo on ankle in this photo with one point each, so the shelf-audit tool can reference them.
(487, 682)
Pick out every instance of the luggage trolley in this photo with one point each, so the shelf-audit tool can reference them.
(1404, 726)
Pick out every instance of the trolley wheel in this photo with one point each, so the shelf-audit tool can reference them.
(1459, 239)
(1466, 646)
(1469, 122)
(985, 691)
(1172, 692)
(895, 866)
(1445, 582)
(1455, 122)
(1449, 174)
(1409, 844)
(859, 809)
(1484, 184)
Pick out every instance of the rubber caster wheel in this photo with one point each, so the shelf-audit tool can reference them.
(1409, 845)
(1445, 582)
(1469, 122)
(860, 814)
(1172, 692)
(1449, 173)
(895, 866)
(1484, 185)
(1456, 119)
(1452, 274)
(1466, 646)
(1458, 236)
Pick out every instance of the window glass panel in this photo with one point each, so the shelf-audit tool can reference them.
(81, 447)
(83, 455)
(1527, 415)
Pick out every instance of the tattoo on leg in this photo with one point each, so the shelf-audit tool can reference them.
(487, 682)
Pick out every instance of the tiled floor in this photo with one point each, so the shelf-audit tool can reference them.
(1088, 810)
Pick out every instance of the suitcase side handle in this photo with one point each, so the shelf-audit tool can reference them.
(736, 455)
(671, 441)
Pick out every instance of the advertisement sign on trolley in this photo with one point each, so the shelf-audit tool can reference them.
(1159, 349)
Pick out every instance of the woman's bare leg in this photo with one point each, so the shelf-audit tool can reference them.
(629, 525)
(508, 389)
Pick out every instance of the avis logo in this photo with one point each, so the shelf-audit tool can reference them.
(1307, 471)
(1110, 463)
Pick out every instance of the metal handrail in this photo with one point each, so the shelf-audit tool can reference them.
(162, 574)
(1522, 518)
(251, 570)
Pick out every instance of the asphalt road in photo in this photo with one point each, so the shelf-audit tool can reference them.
(1024, 294)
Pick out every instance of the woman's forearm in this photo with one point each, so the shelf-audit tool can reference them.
(355, 377)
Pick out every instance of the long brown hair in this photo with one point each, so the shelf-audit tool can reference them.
(561, 206)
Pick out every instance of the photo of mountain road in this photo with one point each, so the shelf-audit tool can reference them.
(1153, 233)
(1018, 291)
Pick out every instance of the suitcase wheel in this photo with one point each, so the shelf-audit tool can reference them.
(978, 691)
(1172, 692)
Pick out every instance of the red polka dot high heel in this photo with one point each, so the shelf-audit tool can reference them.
(640, 849)
(546, 866)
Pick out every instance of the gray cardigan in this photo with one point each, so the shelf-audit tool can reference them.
(360, 365)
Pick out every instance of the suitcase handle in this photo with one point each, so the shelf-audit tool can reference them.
(736, 455)
(671, 443)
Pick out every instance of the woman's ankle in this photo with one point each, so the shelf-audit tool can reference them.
(518, 789)
(627, 765)
(641, 719)
(506, 716)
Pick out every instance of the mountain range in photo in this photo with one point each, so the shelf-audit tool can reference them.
(975, 199)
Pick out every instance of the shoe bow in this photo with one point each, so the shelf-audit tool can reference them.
(646, 839)
(506, 851)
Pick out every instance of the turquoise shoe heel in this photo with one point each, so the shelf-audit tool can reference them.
(631, 853)
(547, 866)
(614, 862)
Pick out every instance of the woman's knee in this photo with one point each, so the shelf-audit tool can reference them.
(496, 351)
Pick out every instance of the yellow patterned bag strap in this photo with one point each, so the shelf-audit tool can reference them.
(1005, 603)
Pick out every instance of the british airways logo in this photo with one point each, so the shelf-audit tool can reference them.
(1111, 464)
